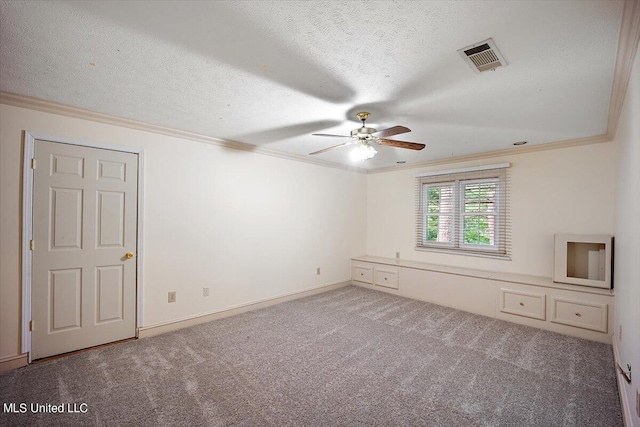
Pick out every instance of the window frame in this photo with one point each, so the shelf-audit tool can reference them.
(426, 215)
(459, 181)
(497, 238)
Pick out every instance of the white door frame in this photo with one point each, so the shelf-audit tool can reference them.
(27, 224)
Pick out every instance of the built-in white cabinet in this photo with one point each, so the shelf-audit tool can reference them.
(378, 275)
(581, 314)
(583, 260)
(580, 311)
(362, 273)
(571, 312)
(521, 303)
(386, 277)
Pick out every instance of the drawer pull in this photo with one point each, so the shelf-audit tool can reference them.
(362, 274)
(522, 304)
(578, 314)
(385, 278)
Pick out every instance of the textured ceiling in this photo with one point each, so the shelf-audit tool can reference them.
(271, 73)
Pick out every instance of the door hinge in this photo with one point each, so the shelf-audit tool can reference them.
(33, 163)
(32, 244)
(31, 325)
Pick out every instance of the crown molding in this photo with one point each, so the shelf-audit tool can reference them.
(22, 101)
(568, 143)
(627, 48)
(31, 103)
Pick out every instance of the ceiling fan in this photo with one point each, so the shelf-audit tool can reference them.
(364, 136)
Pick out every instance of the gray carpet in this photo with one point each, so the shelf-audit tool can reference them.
(350, 357)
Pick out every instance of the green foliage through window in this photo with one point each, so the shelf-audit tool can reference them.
(472, 205)
(439, 218)
(477, 230)
(479, 205)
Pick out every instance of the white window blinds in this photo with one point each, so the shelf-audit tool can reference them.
(464, 210)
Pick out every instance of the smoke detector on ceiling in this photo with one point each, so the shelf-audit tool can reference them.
(483, 56)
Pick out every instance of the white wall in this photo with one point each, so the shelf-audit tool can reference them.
(247, 225)
(569, 190)
(627, 227)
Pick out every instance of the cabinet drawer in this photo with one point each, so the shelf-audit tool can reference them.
(360, 273)
(523, 303)
(581, 314)
(386, 277)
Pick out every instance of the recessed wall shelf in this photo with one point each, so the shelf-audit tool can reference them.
(583, 260)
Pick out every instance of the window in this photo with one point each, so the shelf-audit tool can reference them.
(464, 211)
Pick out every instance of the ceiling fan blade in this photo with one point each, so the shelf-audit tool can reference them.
(396, 130)
(328, 134)
(401, 144)
(330, 148)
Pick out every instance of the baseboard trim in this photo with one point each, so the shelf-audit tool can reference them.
(624, 403)
(10, 363)
(185, 322)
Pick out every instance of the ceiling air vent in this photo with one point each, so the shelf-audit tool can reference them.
(482, 56)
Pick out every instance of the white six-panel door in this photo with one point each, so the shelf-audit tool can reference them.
(84, 237)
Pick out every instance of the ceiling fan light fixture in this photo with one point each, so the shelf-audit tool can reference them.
(364, 135)
(362, 152)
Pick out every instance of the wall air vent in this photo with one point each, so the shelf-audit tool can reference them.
(482, 56)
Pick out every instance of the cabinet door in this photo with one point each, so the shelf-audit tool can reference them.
(386, 277)
(523, 303)
(362, 273)
(581, 314)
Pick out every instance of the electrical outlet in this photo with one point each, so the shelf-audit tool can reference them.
(205, 292)
(172, 296)
(318, 271)
(397, 255)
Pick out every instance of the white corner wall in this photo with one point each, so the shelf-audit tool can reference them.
(248, 226)
(627, 244)
(569, 190)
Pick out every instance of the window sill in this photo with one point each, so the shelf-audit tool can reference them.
(465, 253)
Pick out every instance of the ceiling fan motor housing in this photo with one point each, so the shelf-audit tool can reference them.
(366, 135)
(363, 133)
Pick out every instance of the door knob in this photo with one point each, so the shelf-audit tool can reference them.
(128, 255)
